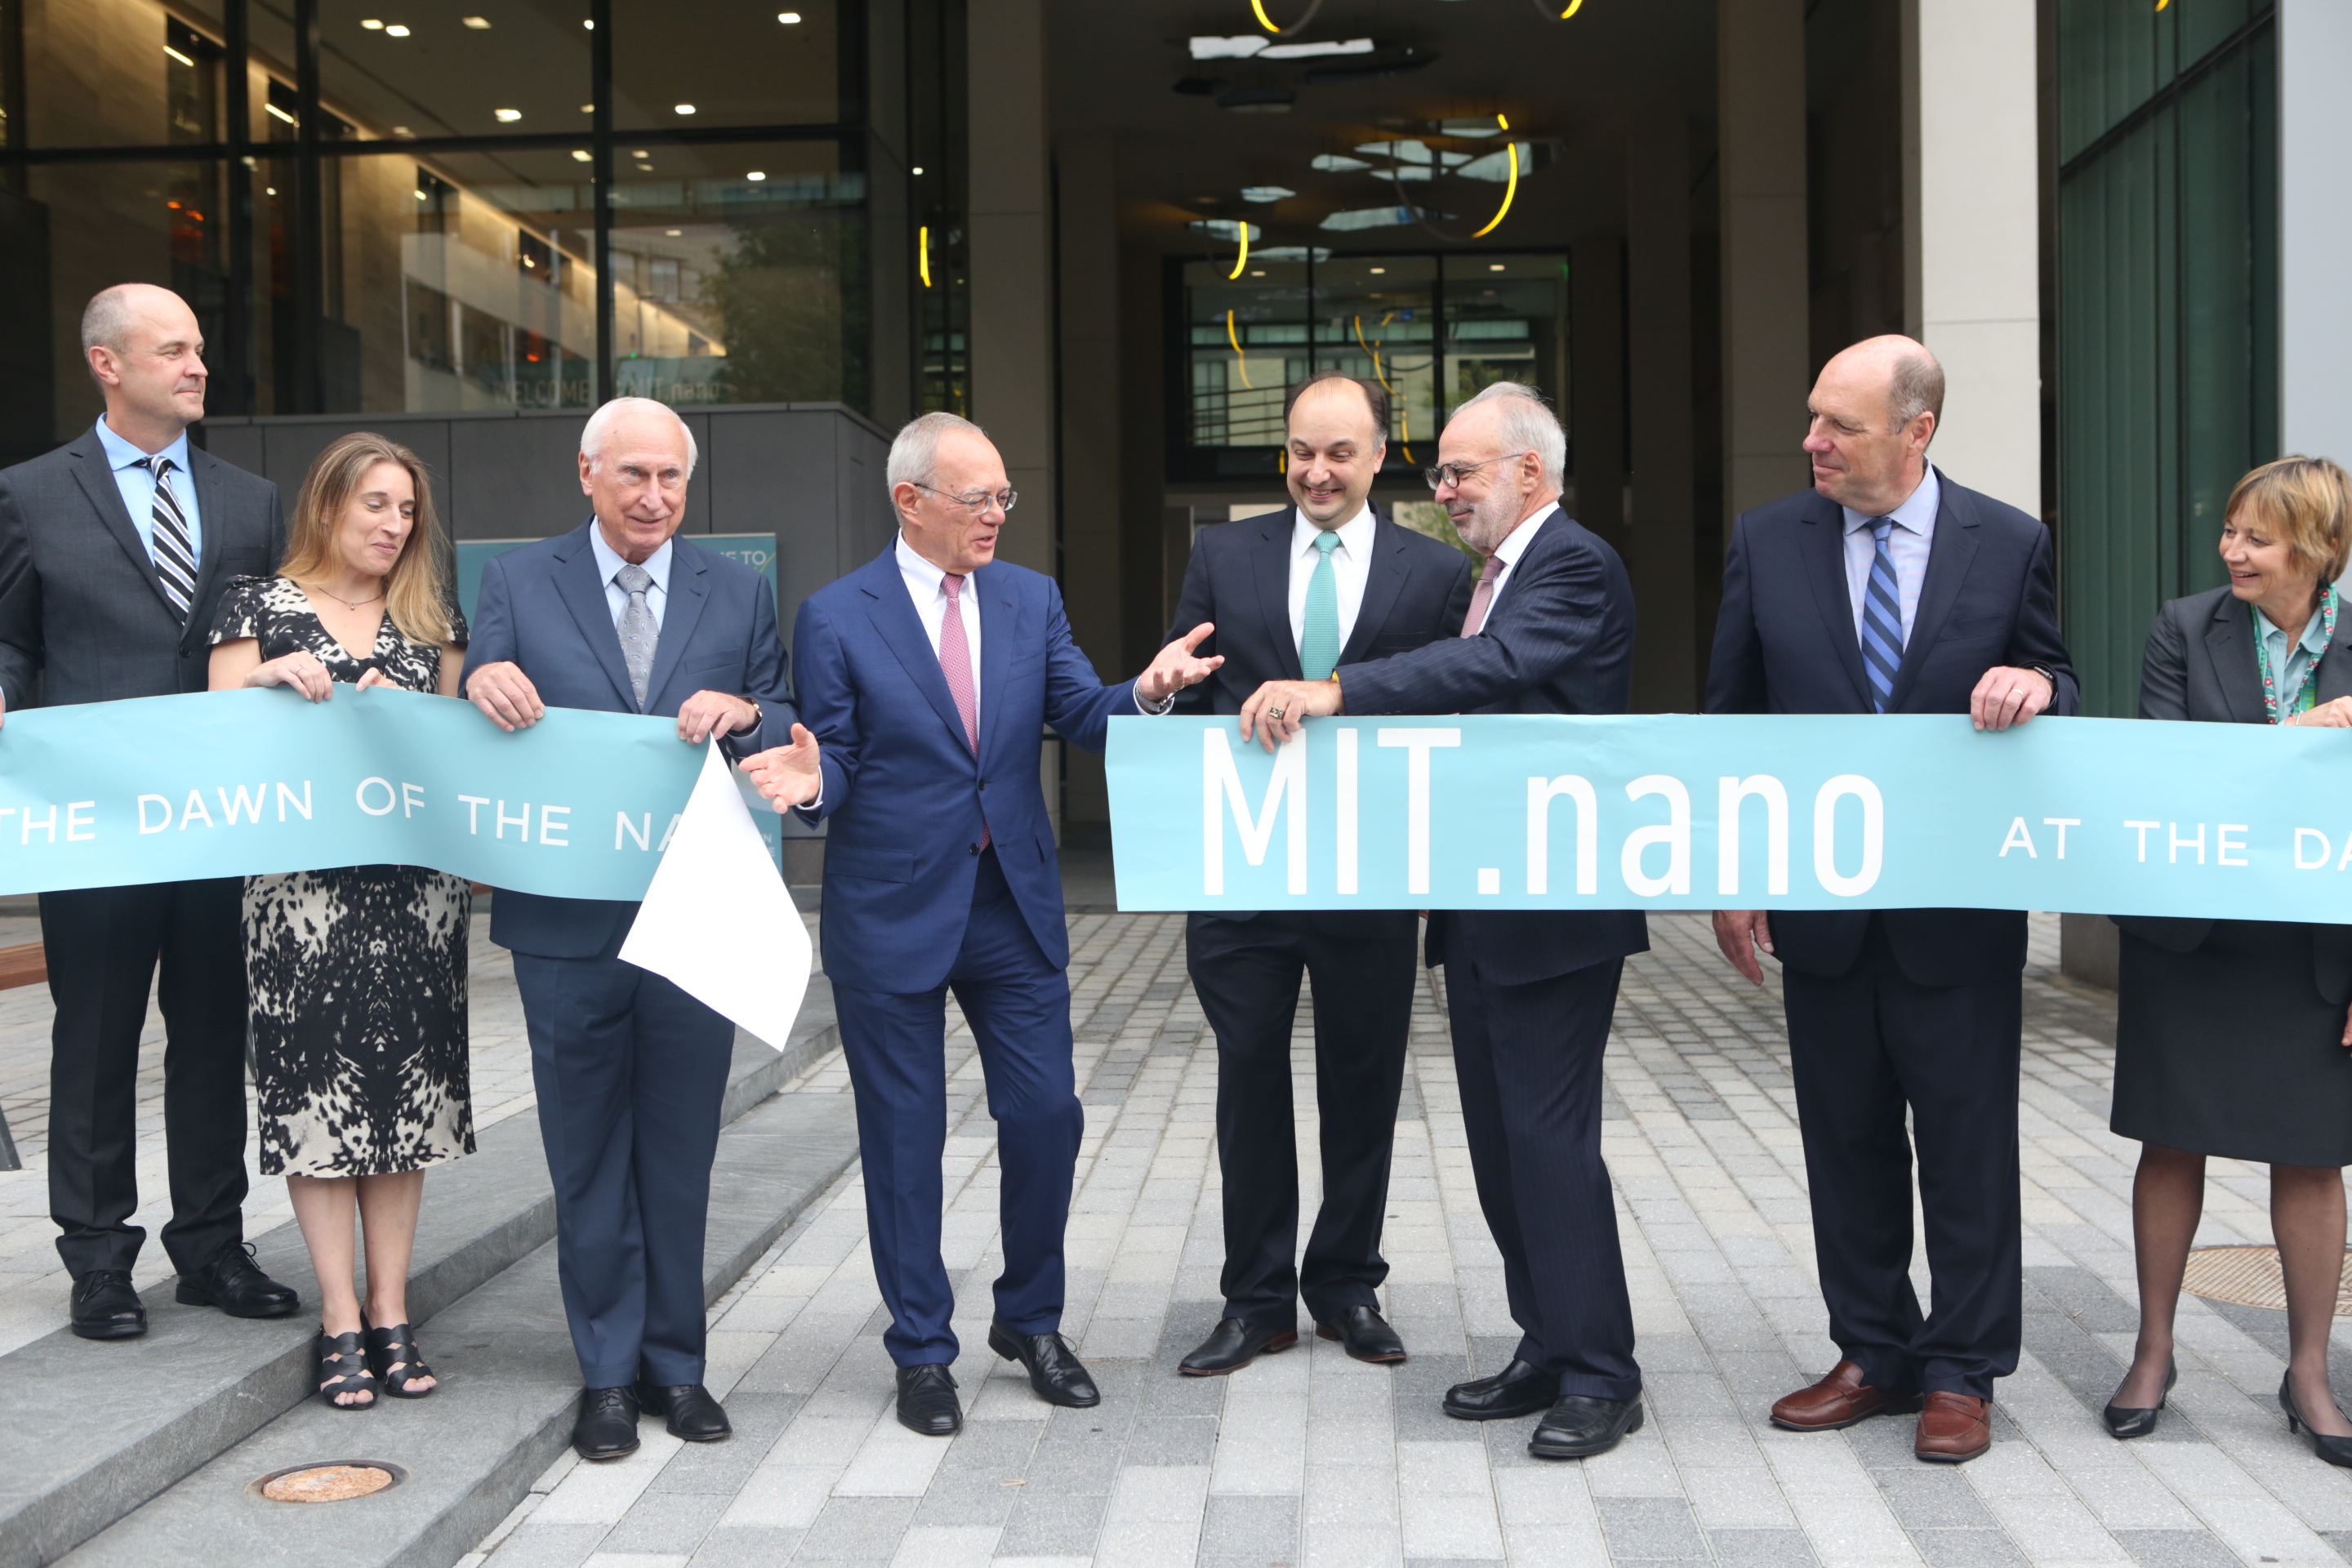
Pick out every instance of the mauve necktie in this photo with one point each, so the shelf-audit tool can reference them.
(955, 663)
(1481, 597)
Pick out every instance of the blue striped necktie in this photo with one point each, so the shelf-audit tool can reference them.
(1318, 646)
(1882, 619)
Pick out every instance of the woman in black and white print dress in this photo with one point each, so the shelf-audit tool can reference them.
(357, 973)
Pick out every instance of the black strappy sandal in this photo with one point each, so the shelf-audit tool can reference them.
(395, 1346)
(343, 1369)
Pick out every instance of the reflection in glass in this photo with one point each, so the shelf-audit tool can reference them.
(1373, 319)
(739, 275)
(1249, 342)
(526, 72)
(1506, 319)
(735, 64)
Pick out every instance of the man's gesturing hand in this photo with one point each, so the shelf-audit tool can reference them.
(1739, 932)
(788, 776)
(1177, 667)
(707, 713)
(1280, 708)
(504, 692)
(2007, 696)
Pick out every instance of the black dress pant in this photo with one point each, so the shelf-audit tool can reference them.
(1246, 973)
(1528, 1060)
(1866, 1046)
(102, 946)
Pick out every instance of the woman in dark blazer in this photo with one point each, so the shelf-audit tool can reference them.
(2231, 1035)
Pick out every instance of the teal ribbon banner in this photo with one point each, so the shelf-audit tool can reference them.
(245, 782)
(1690, 812)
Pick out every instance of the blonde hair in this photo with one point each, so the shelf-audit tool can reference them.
(2305, 502)
(415, 591)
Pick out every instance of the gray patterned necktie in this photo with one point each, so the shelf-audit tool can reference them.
(638, 632)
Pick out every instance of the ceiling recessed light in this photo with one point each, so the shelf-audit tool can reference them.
(397, 130)
(756, 175)
(269, 191)
(789, 18)
(579, 155)
(395, 31)
(1376, 271)
(1264, 194)
(587, 109)
(1258, 272)
(480, 24)
(673, 233)
(508, 116)
(372, 26)
(682, 108)
(640, 153)
(1494, 266)
(588, 23)
(918, 168)
(420, 196)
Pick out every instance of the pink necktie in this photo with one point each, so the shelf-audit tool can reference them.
(1481, 597)
(955, 663)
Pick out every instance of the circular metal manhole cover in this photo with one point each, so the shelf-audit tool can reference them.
(2249, 1277)
(336, 1481)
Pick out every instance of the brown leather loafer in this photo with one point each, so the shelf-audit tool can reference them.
(1954, 1428)
(1840, 1400)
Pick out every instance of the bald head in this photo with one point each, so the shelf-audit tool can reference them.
(1872, 412)
(143, 346)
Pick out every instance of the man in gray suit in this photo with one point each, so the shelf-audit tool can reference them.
(113, 552)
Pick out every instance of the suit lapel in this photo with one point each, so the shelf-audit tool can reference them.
(1825, 547)
(1948, 556)
(2334, 676)
(1384, 579)
(582, 593)
(2230, 644)
(1270, 566)
(97, 478)
(686, 593)
(997, 613)
(212, 528)
(893, 615)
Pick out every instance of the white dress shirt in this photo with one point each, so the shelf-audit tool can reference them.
(1351, 564)
(926, 585)
(609, 565)
(1908, 543)
(137, 486)
(1514, 545)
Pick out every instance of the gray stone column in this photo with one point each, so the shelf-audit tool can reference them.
(1767, 295)
(1084, 172)
(1660, 547)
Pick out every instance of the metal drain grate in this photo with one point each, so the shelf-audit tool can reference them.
(336, 1481)
(2249, 1277)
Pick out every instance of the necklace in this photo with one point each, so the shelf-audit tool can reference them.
(351, 603)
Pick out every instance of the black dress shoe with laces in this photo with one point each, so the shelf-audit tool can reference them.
(1232, 1344)
(1054, 1368)
(1518, 1389)
(607, 1425)
(693, 1415)
(1579, 1426)
(106, 1306)
(1364, 1334)
(927, 1400)
(235, 1283)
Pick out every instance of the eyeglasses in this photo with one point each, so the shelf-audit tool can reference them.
(1454, 473)
(979, 501)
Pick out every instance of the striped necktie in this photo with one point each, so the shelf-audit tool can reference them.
(1882, 619)
(1319, 647)
(175, 556)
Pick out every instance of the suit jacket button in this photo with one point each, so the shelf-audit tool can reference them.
(973, 847)
(983, 784)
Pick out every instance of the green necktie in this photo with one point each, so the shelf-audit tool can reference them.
(1318, 645)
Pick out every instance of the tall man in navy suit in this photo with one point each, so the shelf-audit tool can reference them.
(928, 676)
(1886, 588)
(1549, 630)
(1298, 593)
(619, 616)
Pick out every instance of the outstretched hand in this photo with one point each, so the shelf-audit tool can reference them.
(788, 776)
(1178, 666)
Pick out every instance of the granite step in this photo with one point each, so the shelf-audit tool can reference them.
(503, 1413)
(89, 1431)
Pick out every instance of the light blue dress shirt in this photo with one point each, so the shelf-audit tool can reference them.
(609, 563)
(1908, 543)
(2289, 665)
(138, 487)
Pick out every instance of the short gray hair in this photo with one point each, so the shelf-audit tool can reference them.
(915, 454)
(106, 319)
(1529, 425)
(1915, 386)
(600, 425)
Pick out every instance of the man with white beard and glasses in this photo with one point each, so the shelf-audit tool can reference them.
(1529, 993)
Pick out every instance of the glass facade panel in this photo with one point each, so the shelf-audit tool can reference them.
(110, 73)
(1506, 319)
(1249, 341)
(689, 66)
(455, 68)
(1375, 316)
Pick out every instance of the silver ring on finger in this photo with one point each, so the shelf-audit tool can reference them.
(1273, 713)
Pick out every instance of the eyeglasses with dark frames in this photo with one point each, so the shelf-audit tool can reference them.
(1454, 473)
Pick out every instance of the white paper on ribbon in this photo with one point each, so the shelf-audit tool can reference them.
(718, 922)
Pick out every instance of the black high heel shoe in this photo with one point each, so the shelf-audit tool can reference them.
(2335, 1451)
(2125, 1423)
(393, 1357)
(343, 1369)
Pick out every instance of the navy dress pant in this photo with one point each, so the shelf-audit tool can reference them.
(1246, 974)
(1018, 1004)
(631, 1072)
(1864, 1047)
(1528, 1060)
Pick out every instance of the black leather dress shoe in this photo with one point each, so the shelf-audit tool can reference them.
(1232, 1344)
(235, 1283)
(693, 1414)
(607, 1425)
(1364, 1334)
(1518, 1390)
(106, 1306)
(1579, 1425)
(927, 1400)
(1054, 1368)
